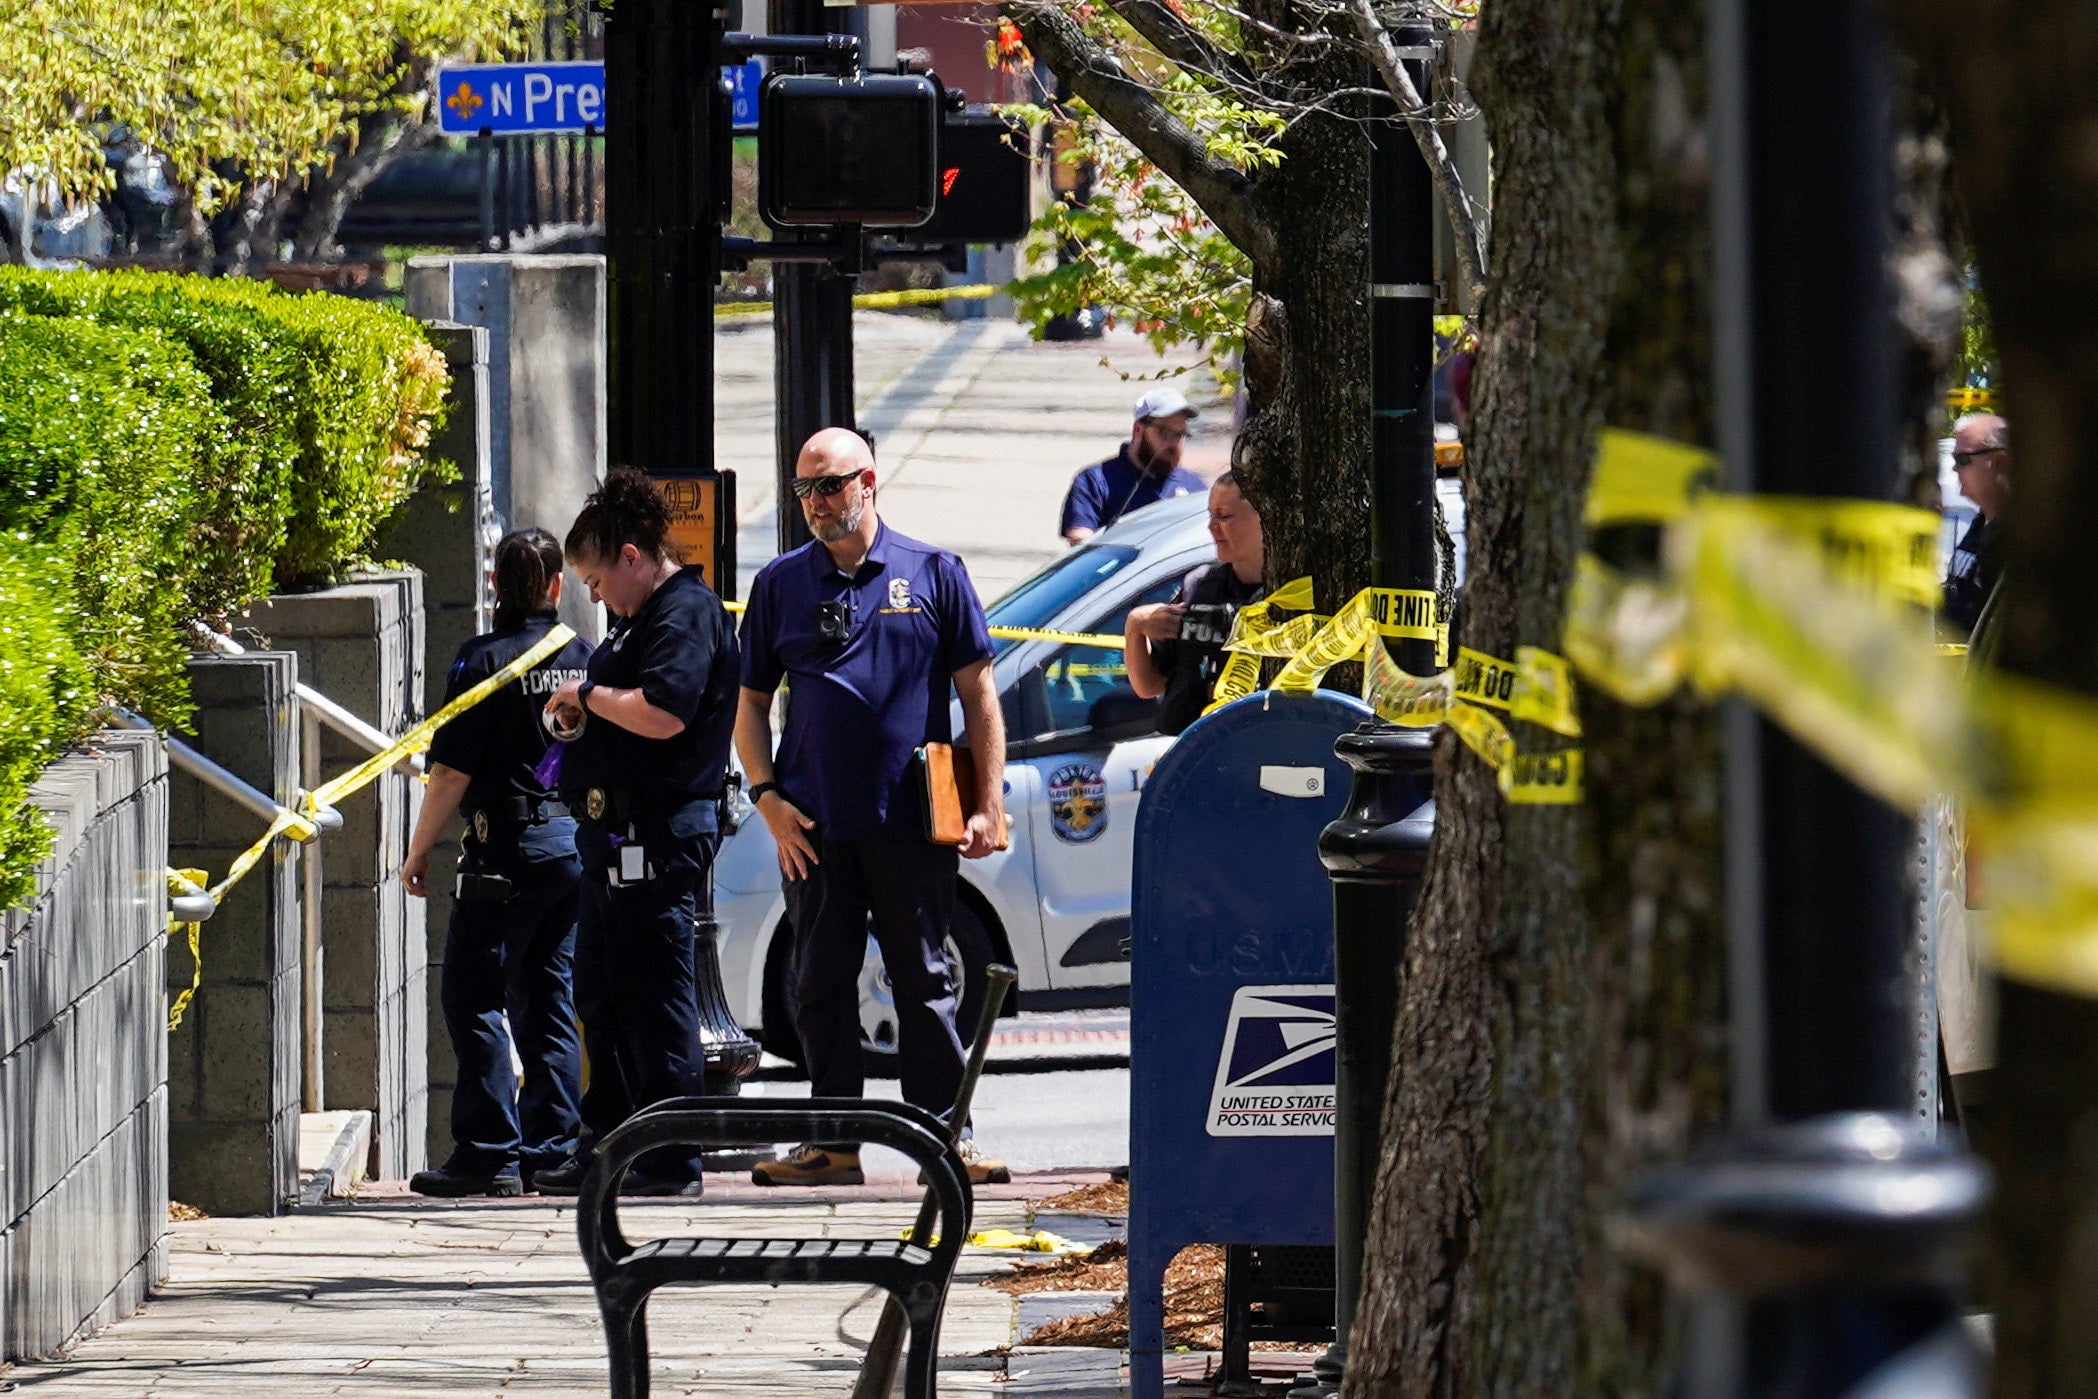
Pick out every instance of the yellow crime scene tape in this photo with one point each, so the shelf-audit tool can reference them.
(300, 825)
(1811, 610)
(1079, 638)
(1536, 688)
(874, 300)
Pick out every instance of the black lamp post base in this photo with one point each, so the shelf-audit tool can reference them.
(1826, 1253)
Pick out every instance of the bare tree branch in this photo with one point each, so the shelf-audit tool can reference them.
(1185, 45)
(1469, 227)
(1223, 191)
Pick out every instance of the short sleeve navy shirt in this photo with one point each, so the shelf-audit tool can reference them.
(1106, 491)
(679, 651)
(858, 709)
(498, 743)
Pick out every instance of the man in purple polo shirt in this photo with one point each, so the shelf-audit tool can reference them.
(1143, 471)
(871, 632)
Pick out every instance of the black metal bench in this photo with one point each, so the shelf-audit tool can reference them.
(915, 1272)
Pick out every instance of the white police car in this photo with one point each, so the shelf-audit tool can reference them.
(1079, 748)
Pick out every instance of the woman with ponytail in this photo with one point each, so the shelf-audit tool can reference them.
(645, 770)
(509, 949)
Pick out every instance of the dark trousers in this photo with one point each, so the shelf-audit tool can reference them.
(635, 987)
(507, 966)
(906, 889)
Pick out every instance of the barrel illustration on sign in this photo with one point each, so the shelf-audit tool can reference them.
(1275, 1068)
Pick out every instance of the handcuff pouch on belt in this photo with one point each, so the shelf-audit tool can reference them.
(490, 828)
(477, 885)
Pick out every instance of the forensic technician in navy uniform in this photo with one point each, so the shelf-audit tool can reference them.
(872, 633)
(509, 949)
(645, 771)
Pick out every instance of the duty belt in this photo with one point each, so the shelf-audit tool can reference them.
(512, 812)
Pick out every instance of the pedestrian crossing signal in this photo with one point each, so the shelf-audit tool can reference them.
(861, 150)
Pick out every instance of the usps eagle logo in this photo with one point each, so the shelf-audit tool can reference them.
(899, 593)
(1078, 803)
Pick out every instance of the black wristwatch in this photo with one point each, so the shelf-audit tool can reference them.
(582, 694)
(757, 793)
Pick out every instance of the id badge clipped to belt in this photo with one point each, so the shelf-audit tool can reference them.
(631, 864)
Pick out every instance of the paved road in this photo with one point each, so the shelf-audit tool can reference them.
(980, 429)
(1035, 1121)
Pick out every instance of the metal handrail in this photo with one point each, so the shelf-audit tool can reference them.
(337, 718)
(226, 783)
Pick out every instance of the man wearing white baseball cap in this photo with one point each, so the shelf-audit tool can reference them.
(1144, 470)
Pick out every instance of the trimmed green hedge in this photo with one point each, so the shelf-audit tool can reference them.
(172, 447)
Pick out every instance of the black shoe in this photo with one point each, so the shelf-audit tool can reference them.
(564, 1179)
(447, 1184)
(639, 1184)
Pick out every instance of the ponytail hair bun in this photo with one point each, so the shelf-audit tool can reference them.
(626, 509)
(526, 563)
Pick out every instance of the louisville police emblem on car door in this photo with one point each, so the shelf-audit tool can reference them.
(1077, 802)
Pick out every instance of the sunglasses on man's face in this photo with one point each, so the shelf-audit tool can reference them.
(1960, 459)
(826, 486)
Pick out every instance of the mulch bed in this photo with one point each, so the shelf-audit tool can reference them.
(1108, 1197)
(1194, 1302)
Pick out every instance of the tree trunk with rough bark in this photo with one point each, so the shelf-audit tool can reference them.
(1472, 1266)
(2018, 78)
(1658, 1050)
(1303, 454)
(1561, 1017)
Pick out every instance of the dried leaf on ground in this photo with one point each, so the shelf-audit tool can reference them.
(1107, 1197)
(182, 1213)
(1105, 1269)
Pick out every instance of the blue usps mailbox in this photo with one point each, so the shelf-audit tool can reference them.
(1231, 995)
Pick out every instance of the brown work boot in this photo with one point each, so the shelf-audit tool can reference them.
(810, 1165)
(983, 1170)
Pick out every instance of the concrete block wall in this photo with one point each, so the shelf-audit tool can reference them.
(233, 1063)
(449, 532)
(361, 645)
(83, 1054)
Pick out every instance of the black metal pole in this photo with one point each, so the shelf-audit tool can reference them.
(486, 141)
(663, 248)
(812, 370)
(660, 235)
(1825, 1147)
(1375, 852)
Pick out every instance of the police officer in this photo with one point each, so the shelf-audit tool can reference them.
(1143, 471)
(647, 765)
(1176, 649)
(873, 632)
(511, 942)
(1981, 460)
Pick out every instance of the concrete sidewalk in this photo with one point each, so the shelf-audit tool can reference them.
(392, 1295)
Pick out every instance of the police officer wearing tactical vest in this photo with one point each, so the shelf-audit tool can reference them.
(646, 760)
(873, 633)
(510, 946)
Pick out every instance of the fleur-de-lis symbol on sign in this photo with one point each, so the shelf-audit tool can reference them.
(464, 101)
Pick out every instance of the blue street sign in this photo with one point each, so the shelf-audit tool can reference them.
(534, 99)
(519, 99)
(744, 80)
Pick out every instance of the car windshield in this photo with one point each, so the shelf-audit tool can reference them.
(1042, 598)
